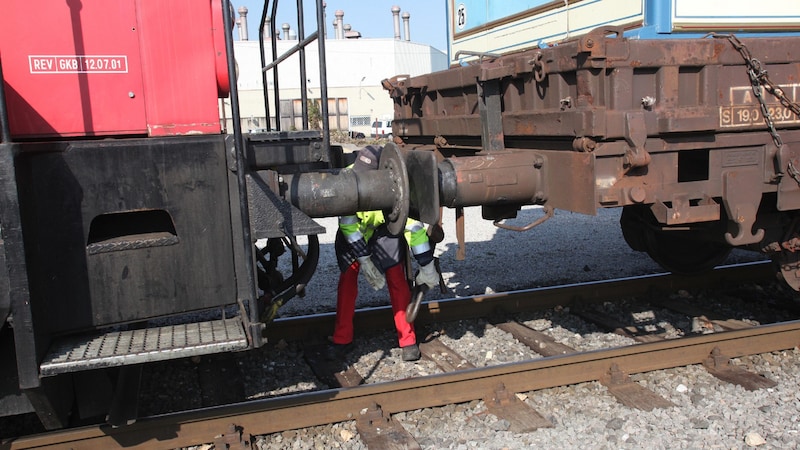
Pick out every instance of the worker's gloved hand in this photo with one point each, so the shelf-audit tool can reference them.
(371, 273)
(427, 275)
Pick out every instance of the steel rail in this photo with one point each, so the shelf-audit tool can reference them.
(445, 310)
(335, 405)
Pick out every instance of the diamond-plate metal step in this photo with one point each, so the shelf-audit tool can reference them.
(144, 345)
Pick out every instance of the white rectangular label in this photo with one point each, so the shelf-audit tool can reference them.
(745, 110)
(738, 14)
(78, 63)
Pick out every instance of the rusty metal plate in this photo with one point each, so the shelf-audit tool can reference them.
(667, 86)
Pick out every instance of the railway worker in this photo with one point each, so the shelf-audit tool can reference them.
(364, 244)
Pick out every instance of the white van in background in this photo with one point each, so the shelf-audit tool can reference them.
(381, 128)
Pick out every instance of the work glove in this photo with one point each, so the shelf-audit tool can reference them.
(371, 273)
(427, 275)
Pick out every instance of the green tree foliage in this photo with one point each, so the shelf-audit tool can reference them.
(314, 114)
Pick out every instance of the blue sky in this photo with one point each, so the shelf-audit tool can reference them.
(372, 18)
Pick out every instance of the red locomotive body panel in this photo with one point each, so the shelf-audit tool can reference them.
(144, 70)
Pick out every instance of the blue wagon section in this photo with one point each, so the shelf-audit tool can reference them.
(498, 27)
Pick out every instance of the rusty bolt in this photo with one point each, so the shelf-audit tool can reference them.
(637, 194)
(589, 43)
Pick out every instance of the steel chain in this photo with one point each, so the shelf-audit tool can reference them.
(760, 78)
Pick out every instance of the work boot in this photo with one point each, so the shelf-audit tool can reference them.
(336, 352)
(411, 352)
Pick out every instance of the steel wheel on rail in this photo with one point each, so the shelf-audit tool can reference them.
(682, 251)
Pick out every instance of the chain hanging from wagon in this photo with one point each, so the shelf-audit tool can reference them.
(759, 78)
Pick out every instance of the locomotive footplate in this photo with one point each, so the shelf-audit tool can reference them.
(145, 345)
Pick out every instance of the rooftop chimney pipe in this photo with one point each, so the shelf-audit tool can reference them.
(339, 24)
(267, 28)
(406, 27)
(285, 28)
(396, 18)
(242, 22)
(350, 33)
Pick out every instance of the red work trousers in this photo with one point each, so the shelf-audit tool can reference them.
(399, 295)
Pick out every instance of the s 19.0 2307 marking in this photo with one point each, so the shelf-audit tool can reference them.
(745, 111)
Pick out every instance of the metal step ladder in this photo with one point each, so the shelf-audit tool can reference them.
(118, 348)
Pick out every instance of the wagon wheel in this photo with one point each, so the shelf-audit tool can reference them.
(684, 252)
(277, 289)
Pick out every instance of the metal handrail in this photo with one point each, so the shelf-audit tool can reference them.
(300, 47)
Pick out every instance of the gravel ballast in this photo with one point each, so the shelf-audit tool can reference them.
(708, 413)
(567, 248)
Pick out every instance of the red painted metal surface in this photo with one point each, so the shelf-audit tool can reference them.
(118, 68)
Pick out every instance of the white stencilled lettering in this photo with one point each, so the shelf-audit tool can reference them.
(746, 110)
(41, 64)
(57, 64)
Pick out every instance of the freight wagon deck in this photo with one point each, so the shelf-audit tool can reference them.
(698, 139)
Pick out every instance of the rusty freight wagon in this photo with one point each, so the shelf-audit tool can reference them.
(696, 137)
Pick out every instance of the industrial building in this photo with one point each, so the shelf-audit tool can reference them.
(355, 68)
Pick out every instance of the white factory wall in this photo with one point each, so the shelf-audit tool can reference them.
(356, 68)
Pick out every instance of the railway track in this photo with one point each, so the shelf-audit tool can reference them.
(461, 379)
